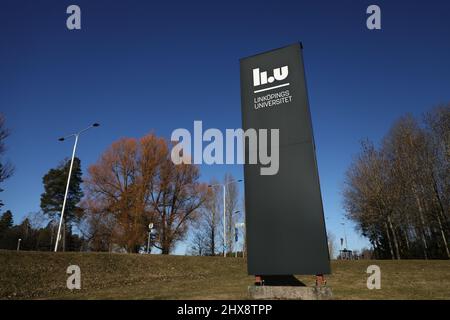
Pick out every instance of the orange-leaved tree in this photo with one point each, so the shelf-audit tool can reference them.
(136, 183)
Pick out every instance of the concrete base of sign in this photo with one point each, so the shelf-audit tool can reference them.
(290, 293)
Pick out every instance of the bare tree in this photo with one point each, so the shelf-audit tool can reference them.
(6, 168)
(398, 194)
(176, 198)
(207, 227)
(199, 243)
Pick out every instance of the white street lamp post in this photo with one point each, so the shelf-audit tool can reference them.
(18, 244)
(241, 225)
(76, 135)
(224, 185)
(224, 222)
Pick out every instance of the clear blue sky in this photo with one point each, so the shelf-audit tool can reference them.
(141, 66)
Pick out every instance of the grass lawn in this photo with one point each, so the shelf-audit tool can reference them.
(42, 275)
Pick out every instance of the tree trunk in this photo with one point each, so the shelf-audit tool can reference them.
(52, 228)
(164, 235)
(444, 239)
(230, 232)
(422, 222)
(389, 241)
(165, 250)
(441, 211)
(406, 240)
(64, 237)
(397, 251)
(213, 241)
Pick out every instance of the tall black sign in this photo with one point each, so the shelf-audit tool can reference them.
(284, 213)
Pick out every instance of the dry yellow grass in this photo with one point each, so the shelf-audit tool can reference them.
(42, 275)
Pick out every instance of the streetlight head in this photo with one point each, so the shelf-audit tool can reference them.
(96, 124)
(240, 180)
(61, 139)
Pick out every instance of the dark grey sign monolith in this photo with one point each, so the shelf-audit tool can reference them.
(284, 213)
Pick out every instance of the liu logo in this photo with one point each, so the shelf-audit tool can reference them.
(260, 78)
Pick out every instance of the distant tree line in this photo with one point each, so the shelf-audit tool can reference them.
(33, 236)
(398, 193)
(38, 231)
